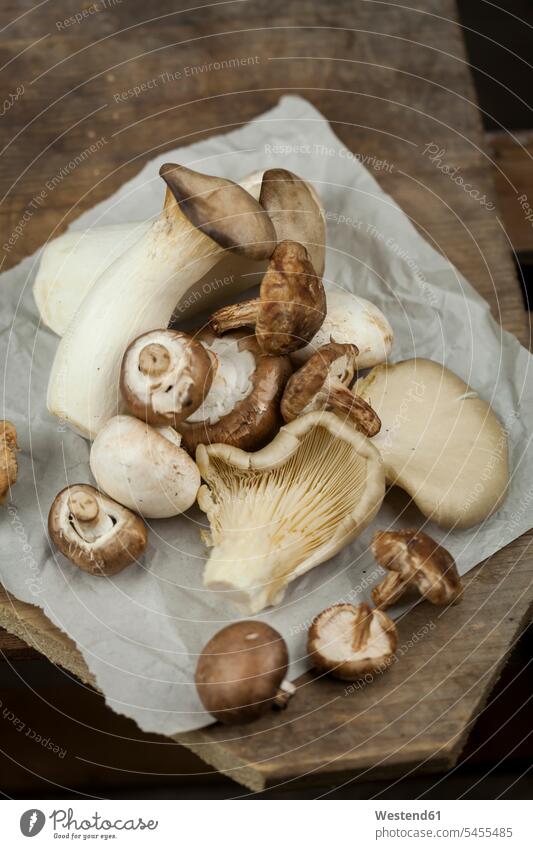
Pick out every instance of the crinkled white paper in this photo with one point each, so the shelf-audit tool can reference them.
(140, 632)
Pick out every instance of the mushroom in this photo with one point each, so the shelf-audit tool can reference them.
(94, 532)
(415, 560)
(8, 457)
(71, 264)
(290, 308)
(351, 319)
(202, 217)
(322, 382)
(165, 376)
(241, 672)
(349, 641)
(439, 441)
(144, 468)
(277, 513)
(242, 406)
(294, 208)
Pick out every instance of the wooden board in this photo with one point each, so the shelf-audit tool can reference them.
(392, 80)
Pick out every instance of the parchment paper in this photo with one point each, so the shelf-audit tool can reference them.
(140, 632)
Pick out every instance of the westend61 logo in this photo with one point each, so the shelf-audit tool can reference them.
(65, 824)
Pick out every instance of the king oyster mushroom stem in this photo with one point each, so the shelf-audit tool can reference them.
(94, 532)
(165, 376)
(8, 458)
(202, 217)
(291, 304)
(322, 382)
(279, 512)
(242, 405)
(416, 561)
(439, 441)
(351, 319)
(241, 672)
(348, 641)
(144, 468)
(72, 263)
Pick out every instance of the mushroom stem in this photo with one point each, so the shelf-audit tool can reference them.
(285, 693)
(154, 360)
(343, 400)
(83, 506)
(233, 316)
(361, 626)
(389, 590)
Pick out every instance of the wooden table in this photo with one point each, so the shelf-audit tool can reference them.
(391, 80)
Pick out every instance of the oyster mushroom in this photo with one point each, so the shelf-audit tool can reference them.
(242, 405)
(165, 376)
(349, 641)
(94, 532)
(322, 382)
(439, 441)
(241, 672)
(414, 560)
(8, 457)
(351, 319)
(277, 513)
(144, 468)
(290, 308)
(202, 217)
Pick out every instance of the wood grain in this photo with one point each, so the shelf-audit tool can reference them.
(392, 80)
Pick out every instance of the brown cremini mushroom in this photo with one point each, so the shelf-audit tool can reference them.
(242, 406)
(349, 641)
(94, 532)
(241, 672)
(8, 457)
(414, 560)
(291, 305)
(323, 383)
(165, 376)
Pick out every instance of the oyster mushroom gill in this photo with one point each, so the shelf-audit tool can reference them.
(276, 513)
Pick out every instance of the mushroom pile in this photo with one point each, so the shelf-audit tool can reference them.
(280, 416)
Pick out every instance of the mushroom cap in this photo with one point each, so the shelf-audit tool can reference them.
(277, 513)
(351, 319)
(144, 468)
(165, 376)
(305, 386)
(421, 561)
(292, 303)
(254, 380)
(330, 641)
(8, 457)
(222, 210)
(110, 541)
(240, 670)
(439, 441)
(295, 210)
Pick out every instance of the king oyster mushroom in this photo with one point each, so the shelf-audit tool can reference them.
(349, 641)
(165, 376)
(241, 672)
(202, 217)
(94, 532)
(351, 319)
(439, 441)
(322, 382)
(144, 468)
(242, 405)
(290, 308)
(277, 513)
(414, 560)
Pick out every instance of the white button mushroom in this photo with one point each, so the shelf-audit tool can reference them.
(144, 468)
(351, 319)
